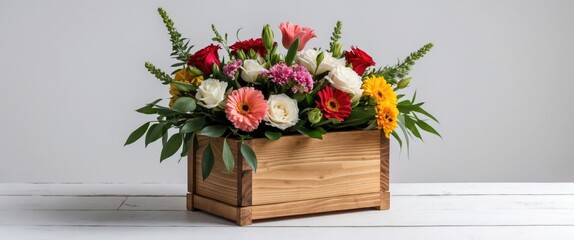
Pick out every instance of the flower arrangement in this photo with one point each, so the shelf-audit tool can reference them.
(258, 92)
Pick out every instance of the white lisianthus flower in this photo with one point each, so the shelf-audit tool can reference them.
(282, 111)
(346, 80)
(308, 59)
(250, 70)
(211, 92)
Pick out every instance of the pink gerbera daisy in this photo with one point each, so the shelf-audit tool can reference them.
(245, 108)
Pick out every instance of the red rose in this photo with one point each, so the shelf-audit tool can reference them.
(359, 59)
(205, 58)
(255, 44)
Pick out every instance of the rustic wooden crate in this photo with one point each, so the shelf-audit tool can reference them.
(296, 175)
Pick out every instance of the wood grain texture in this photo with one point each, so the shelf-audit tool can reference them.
(189, 202)
(316, 206)
(220, 185)
(385, 174)
(215, 207)
(244, 216)
(298, 168)
(385, 201)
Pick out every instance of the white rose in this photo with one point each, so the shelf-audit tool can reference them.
(346, 80)
(308, 59)
(251, 69)
(282, 111)
(210, 93)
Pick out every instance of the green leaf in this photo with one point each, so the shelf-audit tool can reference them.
(186, 141)
(424, 126)
(207, 161)
(249, 156)
(213, 130)
(273, 135)
(398, 138)
(410, 124)
(310, 132)
(148, 108)
(291, 52)
(154, 133)
(227, 155)
(421, 110)
(405, 133)
(171, 147)
(184, 104)
(186, 87)
(137, 134)
(358, 116)
(192, 125)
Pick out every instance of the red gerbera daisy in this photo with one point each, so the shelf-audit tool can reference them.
(334, 103)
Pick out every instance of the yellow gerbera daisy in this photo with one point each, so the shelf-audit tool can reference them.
(386, 117)
(183, 75)
(378, 88)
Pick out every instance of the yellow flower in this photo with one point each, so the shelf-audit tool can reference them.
(387, 114)
(185, 76)
(378, 88)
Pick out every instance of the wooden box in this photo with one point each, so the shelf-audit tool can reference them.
(296, 175)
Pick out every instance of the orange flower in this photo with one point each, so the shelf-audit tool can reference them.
(245, 108)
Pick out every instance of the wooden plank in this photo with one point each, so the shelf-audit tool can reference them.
(220, 185)
(191, 159)
(244, 179)
(60, 203)
(154, 204)
(481, 188)
(92, 189)
(316, 206)
(279, 233)
(217, 208)
(385, 161)
(343, 163)
(385, 201)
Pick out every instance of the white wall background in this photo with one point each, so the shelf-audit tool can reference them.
(499, 79)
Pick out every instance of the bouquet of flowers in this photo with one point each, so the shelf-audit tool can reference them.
(259, 92)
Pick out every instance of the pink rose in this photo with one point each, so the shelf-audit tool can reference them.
(293, 31)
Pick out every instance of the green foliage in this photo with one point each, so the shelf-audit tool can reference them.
(213, 131)
(291, 52)
(334, 46)
(158, 73)
(394, 73)
(227, 156)
(207, 161)
(220, 39)
(137, 134)
(179, 46)
(273, 135)
(249, 156)
(171, 146)
(314, 133)
(184, 105)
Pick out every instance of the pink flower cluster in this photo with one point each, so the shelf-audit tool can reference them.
(297, 75)
(231, 68)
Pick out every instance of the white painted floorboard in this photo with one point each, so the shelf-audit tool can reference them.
(157, 211)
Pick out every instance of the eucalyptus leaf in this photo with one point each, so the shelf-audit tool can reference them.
(184, 104)
(249, 156)
(137, 134)
(192, 125)
(171, 146)
(273, 135)
(207, 161)
(310, 132)
(186, 87)
(213, 130)
(227, 155)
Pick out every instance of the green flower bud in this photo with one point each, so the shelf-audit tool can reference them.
(403, 83)
(195, 71)
(241, 55)
(215, 70)
(252, 54)
(315, 115)
(267, 36)
(337, 52)
(319, 59)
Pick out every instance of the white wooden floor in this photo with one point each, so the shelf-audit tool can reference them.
(418, 211)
